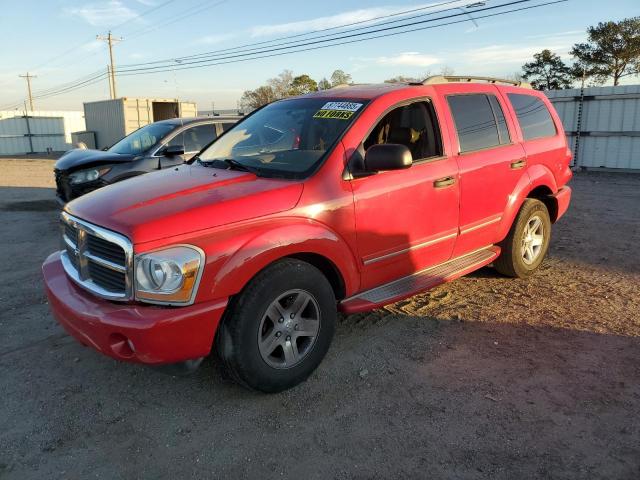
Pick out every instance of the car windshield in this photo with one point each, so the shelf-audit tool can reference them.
(142, 139)
(288, 138)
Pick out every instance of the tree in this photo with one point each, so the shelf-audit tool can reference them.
(547, 72)
(281, 85)
(402, 79)
(324, 84)
(338, 77)
(447, 71)
(252, 99)
(612, 51)
(303, 84)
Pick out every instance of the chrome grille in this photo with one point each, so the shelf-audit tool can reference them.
(97, 259)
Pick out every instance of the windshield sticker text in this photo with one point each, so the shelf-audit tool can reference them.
(337, 114)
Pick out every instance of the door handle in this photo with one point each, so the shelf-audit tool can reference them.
(518, 163)
(444, 182)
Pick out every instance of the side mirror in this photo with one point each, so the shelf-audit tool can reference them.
(389, 156)
(173, 151)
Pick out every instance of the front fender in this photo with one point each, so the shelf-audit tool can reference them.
(301, 236)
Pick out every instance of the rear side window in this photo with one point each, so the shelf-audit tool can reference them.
(479, 120)
(533, 116)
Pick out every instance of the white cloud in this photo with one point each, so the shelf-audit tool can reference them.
(103, 14)
(569, 33)
(409, 59)
(213, 39)
(92, 46)
(507, 54)
(339, 19)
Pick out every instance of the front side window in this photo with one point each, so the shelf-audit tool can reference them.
(196, 138)
(476, 122)
(142, 139)
(414, 126)
(288, 138)
(533, 116)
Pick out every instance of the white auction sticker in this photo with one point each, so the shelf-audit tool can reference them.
(344, 106)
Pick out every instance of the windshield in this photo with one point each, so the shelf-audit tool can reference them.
(288, 138)
(142, 139)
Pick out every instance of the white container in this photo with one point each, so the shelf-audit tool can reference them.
(113, 119)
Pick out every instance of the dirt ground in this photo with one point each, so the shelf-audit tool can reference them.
(486, 377)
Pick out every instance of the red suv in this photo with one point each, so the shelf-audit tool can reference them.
(346, 199)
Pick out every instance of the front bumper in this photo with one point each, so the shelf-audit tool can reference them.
(66, 191)
(133, 332)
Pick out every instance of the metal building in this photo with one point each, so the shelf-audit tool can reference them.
(37, 131)
(111, 120)
(603, 125)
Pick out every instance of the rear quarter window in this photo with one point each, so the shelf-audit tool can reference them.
(533, 116)
(479, 121)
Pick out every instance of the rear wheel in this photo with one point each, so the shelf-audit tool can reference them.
(527, 243)
(279, 328)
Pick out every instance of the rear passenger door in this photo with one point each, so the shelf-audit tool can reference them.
(544, 142)
(490, 164)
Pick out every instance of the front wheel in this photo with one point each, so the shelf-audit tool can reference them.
(279, 328)
(527, 243)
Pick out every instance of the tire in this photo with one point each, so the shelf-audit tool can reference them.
(251, 328)
(519, 257)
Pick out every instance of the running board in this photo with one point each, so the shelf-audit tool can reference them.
(419, 281)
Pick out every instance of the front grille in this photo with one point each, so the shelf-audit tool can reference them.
(97, 259)
(107, 278)
(105, 249)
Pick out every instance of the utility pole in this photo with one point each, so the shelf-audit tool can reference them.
(29, 77)
(110, 39)
(110, 85)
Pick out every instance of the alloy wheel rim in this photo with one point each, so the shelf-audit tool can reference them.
(288, 329)
(532, 240)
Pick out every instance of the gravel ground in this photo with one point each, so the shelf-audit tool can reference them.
(486, 377)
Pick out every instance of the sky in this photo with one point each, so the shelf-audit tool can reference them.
(56, 41)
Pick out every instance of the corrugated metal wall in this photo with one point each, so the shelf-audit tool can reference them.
(106, 119)
(37, 131)
(609, 125)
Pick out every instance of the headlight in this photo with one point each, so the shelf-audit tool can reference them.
(84, 176)
(170, 275)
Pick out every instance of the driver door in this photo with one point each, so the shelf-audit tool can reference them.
(406, 220)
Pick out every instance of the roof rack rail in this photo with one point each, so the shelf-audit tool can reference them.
(470, 78)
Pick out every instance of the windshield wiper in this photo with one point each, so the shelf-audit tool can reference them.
(229, 164)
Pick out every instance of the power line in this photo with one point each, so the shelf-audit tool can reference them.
(318, 40)
(287, 37)
(201, 7)
(66, 84)
(323, 43)
(72, 87)
(146, 12)
(346, 42)
(74, 49)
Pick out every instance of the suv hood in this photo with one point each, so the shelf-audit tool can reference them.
(81, 157)
(184, 199)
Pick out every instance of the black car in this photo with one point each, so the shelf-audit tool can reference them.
(157, 145)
